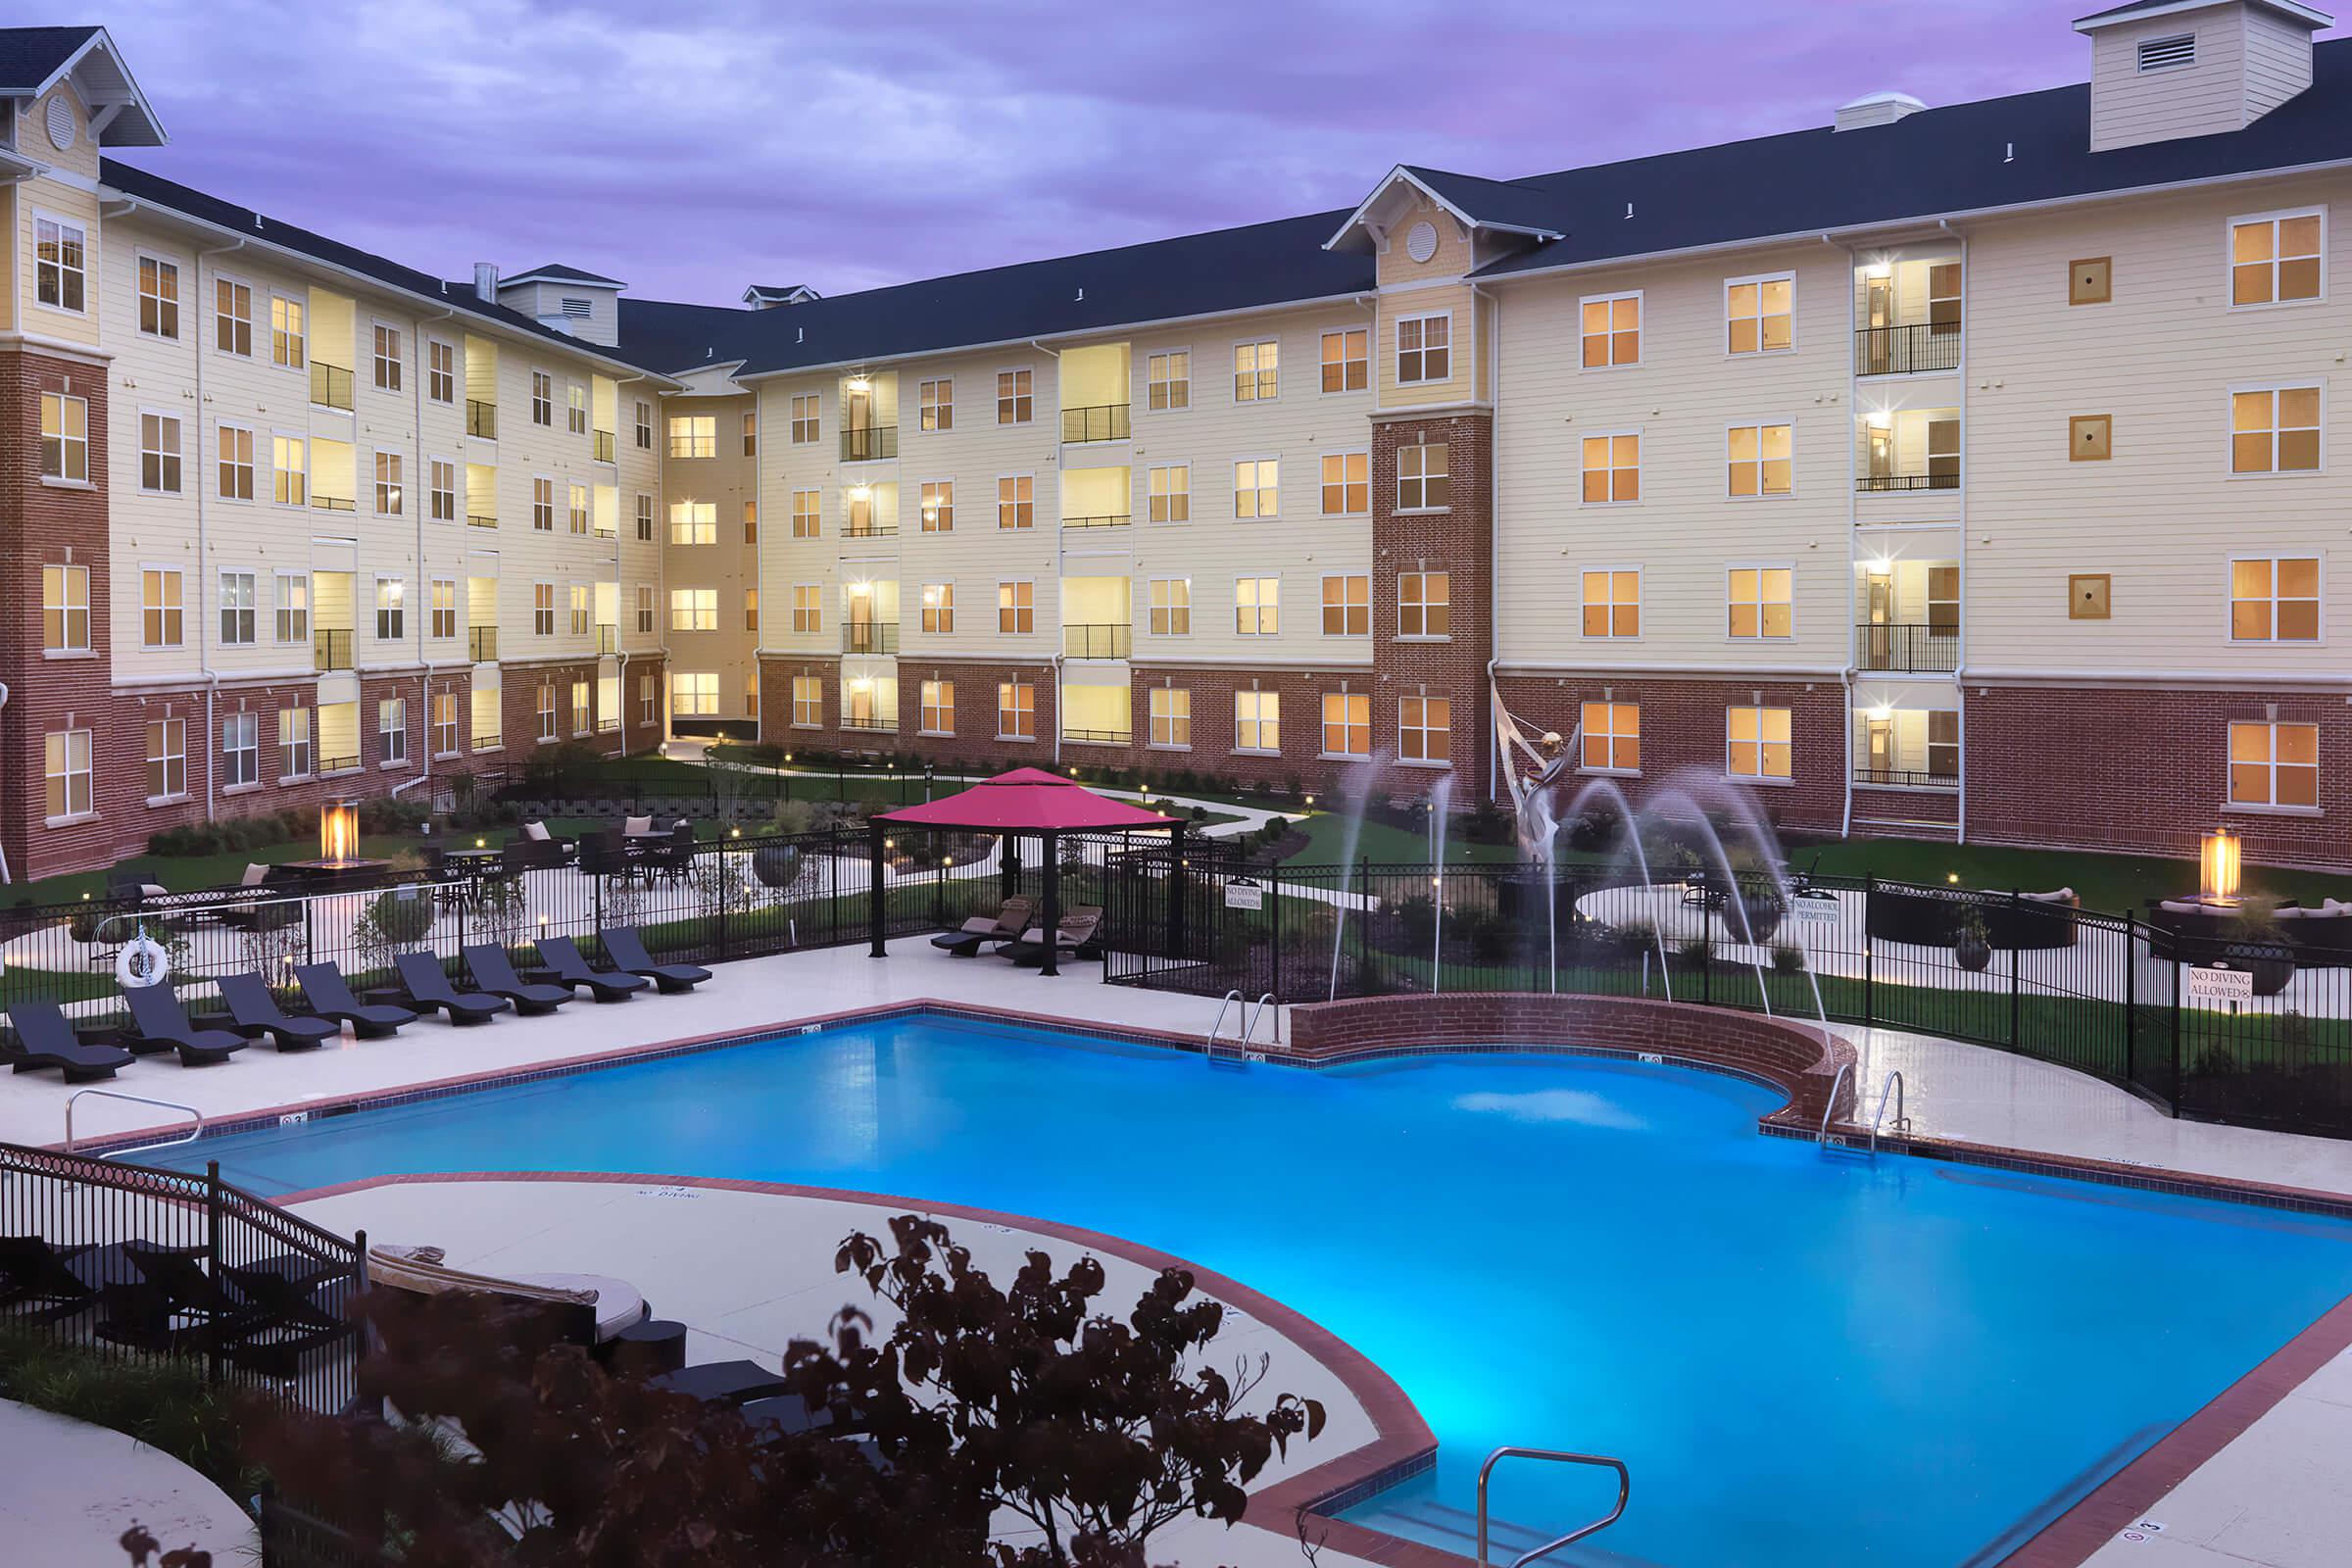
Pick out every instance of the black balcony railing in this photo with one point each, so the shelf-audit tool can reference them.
(1908, 350)
(1116, 519)
(874, 442)
(870, 637)
(604, 446)
(1907, 777)
(872, 530)
(338, 764)
(330, 385)
(888, 726)
(1104, 423)
(332, 648)
(1908, 481)
(1099, 737)
(481, 419)
(487, 743)
(1097, 642)
(332, 503)
(477, 519)
(482, 643)
(608, 638)
(1930, 649)
(606, 726)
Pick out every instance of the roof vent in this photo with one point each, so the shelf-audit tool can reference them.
(575, 308)
(2162, 54)
(486, 280)
(1875, 109)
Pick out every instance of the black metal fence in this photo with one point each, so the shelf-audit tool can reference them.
(2257, 1032)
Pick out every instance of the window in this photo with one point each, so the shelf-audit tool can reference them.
(1346, 483)
(391, 610)
(1757, 314)
(644, 607)
(542, 707)
(158, 608)
(293, 742)
(2090, 438)
(1760, 599)
(543, 404)
(1257, 607)
(645, 425)
(1759, 459)
(1346, 362)
(64, 609)
(1171, 494)
(577, 516)
(66, 438)
(1171, 716)
(388, 361)
(1013, 397)
(1424, 604)
(1168, 380)
(387, 484)
(751, 433)
(289, 469)
(751, 522)
(392, 729)
(939, 607)
(1346, 724)
(645, 518)
(1422, 482)
(2089, 595)
(293, 609)
(1256, 722)
(236, 463)
(2091, 281)
(939, 507)
(937, 404)
(1612, 467)
(803, 514)
(646, 698)
(443, 717)
(1170, 609)
(241, 750)
(441, 372)
(939, 706)
(2274, 429)
(2275, 600)
(441, 596)
(1017, 505)
(2274, 258)
(1017, 607)
(807, 609)
(583, 712)
(1756, 742)
(543, 609)
(236, 608)
(1257, 487)
(808, 702)
(1424, 349)
(543, 508)
(1612, 736)
(288, 329)
(66, 767)
(803, 420)
(1611, 330)
(442, 488)
(232, 318)
(693, 610)
(1425, 729)
(159, 454)
(1347, 607)
(1613, 602)
(694, 693)
(1255, 372)
(579, 610)
(693, 522)
(575, 404)
(693, 435)
(159, 297)
(1016, 710)
(167, 758)
(60, 263)
(2274, 765)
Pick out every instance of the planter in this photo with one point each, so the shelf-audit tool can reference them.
(776, 865)
(1971, 951)
(2271, 965)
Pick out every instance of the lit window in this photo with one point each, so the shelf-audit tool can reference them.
(167, 758)
(1756, 742)
(1346, 483)
(1257, 607)
(543, 510)
(645, 518)
(1612, 330)
(577, 513)
(804, 514)
(441, 372)
(693, 610)
(1017, 607)
(1171, 715)
(287, 332)
(808, 702)
(939, 706)
(442, 489)
(236, 608)
(236, 463)
(159, 453)
(444, 719)
(939, 505)
(1612, 736)
(579, 610)
(1613, 602)
(2275, 600)
(1171, 494)
(543, 401)
(66, 768)
(387, 484)
(1346, 724)
(694, 522)
(2275, 430)
(1424, 349)
(693, 435)
(543, 609)
(1759, 459)
(293, 609)
(1425, 729)
(694, 693)
(65, 609)
(2274, 765)
(1013, 399)
(159, 297)
(938, 404)
(2276, 258)
(1757, 314)
(293, 742)
(1761, 601)
(158, 609)
(807, 607)
(1422, 482)
(1016, 501)
(1016, 710)
(1612, 467)
(1347, 363)
(442, 603)
(232, 318)
(645, 428)
(1168, 380)
(1423, 604)
(1258, 488)
(1171, 607)
(1347, 607)
(289, 469)
(543, 710)
(751, 433)
(1255, 368)
(61, 264)
(805, 421)
(391, 610)
(939, 607)
(1258, 721)
(65, 438)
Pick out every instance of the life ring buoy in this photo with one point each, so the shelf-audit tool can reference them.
(142, 961)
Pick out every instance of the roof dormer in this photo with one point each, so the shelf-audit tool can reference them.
(2161, 69)
(39, 65)
(1426, 222)
(566, 299)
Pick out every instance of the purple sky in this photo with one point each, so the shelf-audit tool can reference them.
(693, 148)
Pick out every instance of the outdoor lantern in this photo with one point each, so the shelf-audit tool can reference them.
(2219, 859)
(339, 830)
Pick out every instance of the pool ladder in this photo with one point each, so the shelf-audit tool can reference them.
(1892, 1089)
(1250, 1013)
(193, 1133)
(1625, 1487)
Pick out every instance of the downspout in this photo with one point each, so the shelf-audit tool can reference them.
(1056, 355)
(424, 665)
(4, 876)
(1498, 761)
(204, 655)
(621, 670)
(1960, 665)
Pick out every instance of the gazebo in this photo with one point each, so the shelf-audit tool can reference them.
(1026, 802)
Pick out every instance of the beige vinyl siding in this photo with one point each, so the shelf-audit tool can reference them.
(727, 567)
(42, 197)
(2278, 61)
(2130, 107)
(1460, 306)
(1451, 259)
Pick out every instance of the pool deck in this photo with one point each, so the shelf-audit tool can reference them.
(73, 1489)
(2273, 1490)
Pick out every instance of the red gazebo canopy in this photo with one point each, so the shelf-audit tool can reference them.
(1028, 799)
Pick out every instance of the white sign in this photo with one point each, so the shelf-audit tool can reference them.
(2220, 985)
(1814, 909)
(1245, 896)
(2142, 1530)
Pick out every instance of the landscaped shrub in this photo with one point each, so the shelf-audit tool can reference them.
(395, 920)
(1787, 959)
(1696, 952)
(1490, 936)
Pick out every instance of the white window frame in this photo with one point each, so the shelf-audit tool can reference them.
(1640, 329)
(2317, 384)
(1185, 469)
(1398, 349)
(1258, 722)
(1017, 609)
(164, 569)
(441, 739)
(2229, 228)
(2230, 767)
(1612, 436)
(86, 773)
(142, 254)
(1155, 719)
(1160, 617)
(174, 740)
(87, 270)
(171, 459)
(813, 702)
(287, 748)
(241, 737)
(1425, 604)
(1168, 385)
(1016, 502)
(1346, 698)
(434, 609)
(434, 345)
(1257, 489)
(929, 694)
(67, 446)
(1760, 602)
(1007, 688)
(64, 609)
(1759, 426)
(441, 499)
(1341, 333)
(279, 472)
(1017, 395)
(279, 609)
(1258, 373)
(1786, 276)
(935, 608)
(1425, 729)
(1426, 506)
(220, 461)
(397, 610)
(297, 343)
(932, 395)
(808, 609)
(1761, 744)
(1641, 620)
(1257, 607)
(1344, 607)
(213, 313)
(1611, 770)
(543, 609)
(1323, 486)
(2230, 600)
(542, 399)
(251, 608)
(390, 493)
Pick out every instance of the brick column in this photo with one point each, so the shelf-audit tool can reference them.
(1457, 540)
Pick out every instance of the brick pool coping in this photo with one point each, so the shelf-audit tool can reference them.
(1800, 1060)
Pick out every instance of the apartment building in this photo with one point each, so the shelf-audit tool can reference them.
(1952, 471)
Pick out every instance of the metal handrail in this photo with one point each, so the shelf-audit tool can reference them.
(1250, 1019)
(1901, 1122)
(194, 1133)
(1233, 998)
(1844, 1070)
(1625, 1487)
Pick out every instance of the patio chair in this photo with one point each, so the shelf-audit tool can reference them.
(45, 1037)
(329, 997)
(571, 969)
(256, 1013)
(1006, 925)
(175, 1306)
(38, 1280)
(158, 1023)
(426, 985)
(626, 949)
(671, 858)
(494, 973)
(1075, 938)
(736, 1383)
(586, 1309)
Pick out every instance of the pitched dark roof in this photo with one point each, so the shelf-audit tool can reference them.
(556, 272)
(459, 294)
(678, 337)
(30, 56)
(1492, 201)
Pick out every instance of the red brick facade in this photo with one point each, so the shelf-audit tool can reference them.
(1458, 541)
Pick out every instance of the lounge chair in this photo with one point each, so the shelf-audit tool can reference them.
(571, 969)
(1006, 925)
(626, 949)
(46, 1039)
(494, 973)
(158, 1023)
(297, 1305)
(330, 996)
(256, 1013)
(427, 986)
(586, 1308)
(176, 1305)
(1075, 938)
(37, 1279)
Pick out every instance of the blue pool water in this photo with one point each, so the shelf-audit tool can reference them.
(1806, 1359)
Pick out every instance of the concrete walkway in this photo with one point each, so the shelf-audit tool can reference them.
(69, 1491)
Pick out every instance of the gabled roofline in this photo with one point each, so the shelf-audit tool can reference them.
(1400, 171)
(2166, 8)
(133, 97)
(558, 281)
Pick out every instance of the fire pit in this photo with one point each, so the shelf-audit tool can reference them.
(339, 859)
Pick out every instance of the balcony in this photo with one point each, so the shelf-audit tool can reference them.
(608, 638)
(474, 520)
(1117, 519)
(870, 445)
(1883, 483)
(1924, 650)
(331, 649)
(1907, 778)
(481, 419)
(487, 743)
(1098, 642)
(482, 643)
(326, 503)
(870, 637)
(338, 764)
(886, 726)
(606, 446)
(1908, 350)
(1099, 737)
(870, 530)
(330, 385)
(1104, 423)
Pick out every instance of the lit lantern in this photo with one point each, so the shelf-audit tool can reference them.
(2218, 858)
(339, 831)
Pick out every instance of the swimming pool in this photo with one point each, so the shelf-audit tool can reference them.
(1806, 1359)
